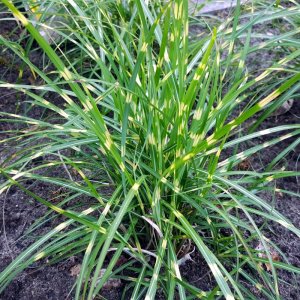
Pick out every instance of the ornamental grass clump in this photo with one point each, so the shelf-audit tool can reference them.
(156, 119)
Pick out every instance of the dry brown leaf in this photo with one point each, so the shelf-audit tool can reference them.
(284, 108)
(75, 270)
(111, 282)
(274, 255)
(244, 165)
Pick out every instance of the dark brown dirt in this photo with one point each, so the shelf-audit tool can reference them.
(54, 282)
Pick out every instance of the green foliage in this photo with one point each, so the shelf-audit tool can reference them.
(150, 113)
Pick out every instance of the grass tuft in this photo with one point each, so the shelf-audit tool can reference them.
(147, 125)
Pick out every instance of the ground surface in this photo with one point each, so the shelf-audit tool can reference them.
(18, 212)
(211, 6)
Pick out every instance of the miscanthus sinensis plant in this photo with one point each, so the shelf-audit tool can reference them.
(149, 113)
